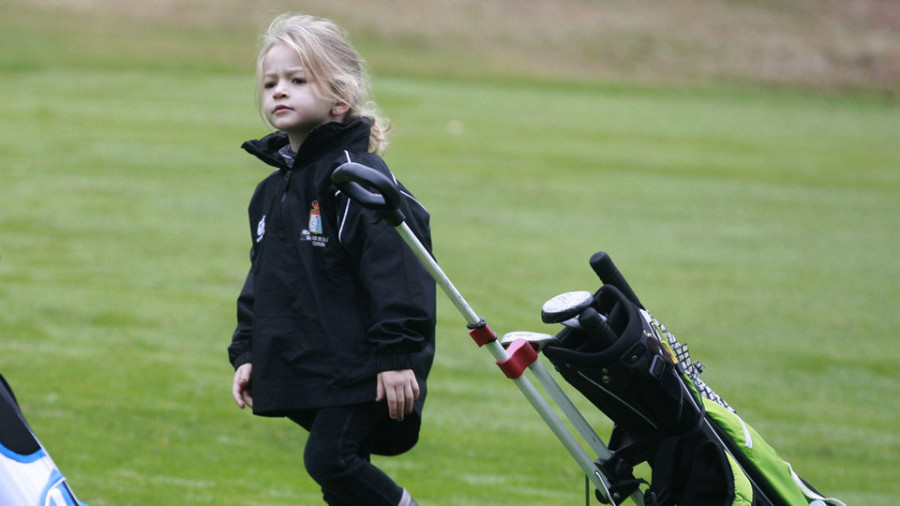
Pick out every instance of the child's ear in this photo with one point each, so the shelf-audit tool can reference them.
(340, 108)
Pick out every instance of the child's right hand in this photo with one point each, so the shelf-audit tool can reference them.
(400, 389)
(240, 389)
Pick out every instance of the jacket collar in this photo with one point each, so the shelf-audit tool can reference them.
(353, 135)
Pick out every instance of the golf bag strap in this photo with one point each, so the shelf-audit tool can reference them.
(521, 355)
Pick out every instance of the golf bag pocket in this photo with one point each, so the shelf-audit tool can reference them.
(692, 469)
(615, 359)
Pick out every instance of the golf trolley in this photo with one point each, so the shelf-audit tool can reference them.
(635, 371)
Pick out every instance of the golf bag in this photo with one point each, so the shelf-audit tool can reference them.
(28, 476)
(635, 371)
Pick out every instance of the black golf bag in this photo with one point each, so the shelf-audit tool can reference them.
(635, 371)
(28, 476)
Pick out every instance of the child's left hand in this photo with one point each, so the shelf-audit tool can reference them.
(401, 389)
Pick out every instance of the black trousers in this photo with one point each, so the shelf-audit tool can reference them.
(337, 454)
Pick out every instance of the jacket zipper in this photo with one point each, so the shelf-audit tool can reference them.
(287, 183)
(284, 192)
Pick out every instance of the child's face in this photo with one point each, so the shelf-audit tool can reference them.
(291, 99)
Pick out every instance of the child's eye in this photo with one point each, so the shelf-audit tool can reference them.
(298, 80)
(269, 84)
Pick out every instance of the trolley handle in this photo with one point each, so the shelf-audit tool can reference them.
(371, 189)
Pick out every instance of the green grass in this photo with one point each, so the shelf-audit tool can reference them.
(760, 226)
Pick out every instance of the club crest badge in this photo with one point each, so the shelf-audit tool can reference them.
(315, 219)
(314, 234)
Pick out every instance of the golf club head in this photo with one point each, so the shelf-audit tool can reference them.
(565, 306)
(536, 339)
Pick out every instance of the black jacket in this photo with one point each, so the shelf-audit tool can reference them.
(334, 296)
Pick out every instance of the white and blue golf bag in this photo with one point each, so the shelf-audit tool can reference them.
(28, 476)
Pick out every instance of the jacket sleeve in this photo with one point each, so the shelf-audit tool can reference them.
(239, 352)
(400, 291)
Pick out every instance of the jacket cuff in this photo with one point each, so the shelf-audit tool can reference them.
(242, 359)
(394, 362)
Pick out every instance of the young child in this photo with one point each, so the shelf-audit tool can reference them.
(336, 318)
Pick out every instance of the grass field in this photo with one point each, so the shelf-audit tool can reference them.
(759, 223)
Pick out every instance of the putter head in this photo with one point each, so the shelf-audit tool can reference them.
(565, 306)
(536, 339)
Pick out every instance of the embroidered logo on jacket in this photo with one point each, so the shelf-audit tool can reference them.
(315, 219)
(261, 228)
(314, 233)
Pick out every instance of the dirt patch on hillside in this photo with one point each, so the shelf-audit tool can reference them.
(826, 44)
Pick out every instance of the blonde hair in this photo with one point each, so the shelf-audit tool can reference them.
(326, 53)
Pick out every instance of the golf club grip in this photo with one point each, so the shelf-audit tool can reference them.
(597, 328)
(371, 189)
(609, 274)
